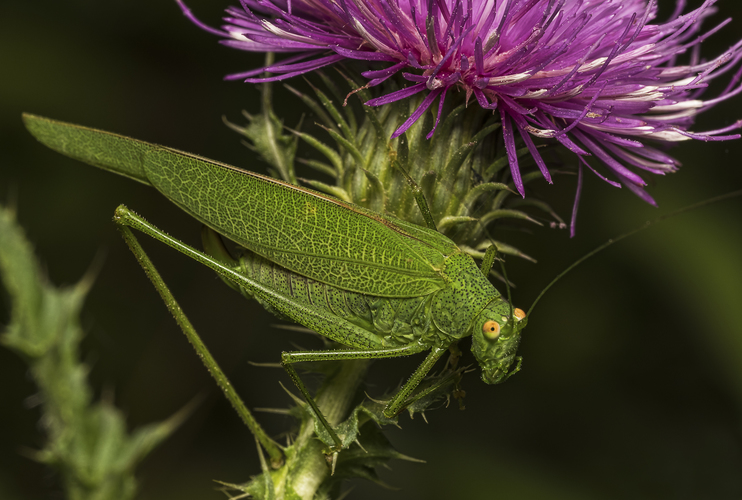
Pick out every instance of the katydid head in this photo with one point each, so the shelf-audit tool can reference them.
(495, 339)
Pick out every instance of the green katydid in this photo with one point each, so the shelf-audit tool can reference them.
(381, 286)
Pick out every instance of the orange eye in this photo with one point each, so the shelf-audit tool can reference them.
(491, 329)
(519, 313)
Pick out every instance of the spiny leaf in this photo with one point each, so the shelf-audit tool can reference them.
(488, 187)
(506, 213)
(453, 220)
(313, 105)
(319, 167)
(265, 132)
(323, 148)
(349, 146)
(335, 191)
(339, 121)
(503, 162)
(88, 442)
(443, 130)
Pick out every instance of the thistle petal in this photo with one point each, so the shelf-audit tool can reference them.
(596, 76)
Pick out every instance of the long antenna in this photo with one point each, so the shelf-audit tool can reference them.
(610, 242)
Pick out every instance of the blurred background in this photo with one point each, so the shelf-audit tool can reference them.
(632, 376)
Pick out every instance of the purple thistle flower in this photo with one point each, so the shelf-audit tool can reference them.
(595, 76)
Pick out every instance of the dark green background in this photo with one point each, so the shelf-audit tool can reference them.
(632, 376)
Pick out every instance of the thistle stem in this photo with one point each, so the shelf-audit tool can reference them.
(334, 399)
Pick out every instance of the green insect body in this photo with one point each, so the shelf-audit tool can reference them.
(395, 322)
(381, 286)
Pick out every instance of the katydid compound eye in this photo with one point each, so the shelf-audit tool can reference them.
(491, 329)
(519, 313)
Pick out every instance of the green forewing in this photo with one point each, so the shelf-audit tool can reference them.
(307, 232)
(101, 149)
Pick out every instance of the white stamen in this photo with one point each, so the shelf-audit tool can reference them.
(508, 79)
(671, 117)
(678, 106)
(669, 135)
(543, 133)
(285, 34)
(648, 93)
(374, 42)
(589, 66)
(239, 36)
(534, 94)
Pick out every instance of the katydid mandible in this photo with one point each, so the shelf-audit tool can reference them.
(381, 286)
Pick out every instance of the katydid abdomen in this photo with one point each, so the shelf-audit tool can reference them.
(437, 318)
(393, 322)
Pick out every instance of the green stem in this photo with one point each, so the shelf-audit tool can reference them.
(334, 400)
